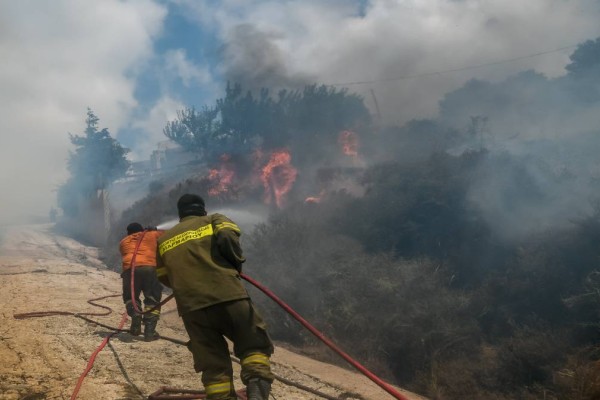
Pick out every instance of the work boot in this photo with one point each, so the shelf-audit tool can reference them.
(150, 333)
(136, 325)
(258, 389)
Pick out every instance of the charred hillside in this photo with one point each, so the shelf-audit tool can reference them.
(456, 256)
(414, 280)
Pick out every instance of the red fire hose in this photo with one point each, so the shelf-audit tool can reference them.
(85, 318)
(90, 363)
(384, 385)
(132, 267)
(132, 286)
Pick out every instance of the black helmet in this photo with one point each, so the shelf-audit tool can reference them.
(134, 227)
(190, 204)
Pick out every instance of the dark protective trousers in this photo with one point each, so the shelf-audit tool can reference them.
(239, 322)
(145, 281)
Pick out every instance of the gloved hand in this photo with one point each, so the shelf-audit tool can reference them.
(151, 228)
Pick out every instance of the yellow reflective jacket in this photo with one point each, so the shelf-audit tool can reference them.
(200, 259)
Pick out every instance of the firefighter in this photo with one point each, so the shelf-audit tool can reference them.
(142, 243)
(201, 259)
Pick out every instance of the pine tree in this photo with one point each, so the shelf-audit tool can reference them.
(98, 160)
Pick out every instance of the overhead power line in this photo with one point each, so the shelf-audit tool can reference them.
(447, 71)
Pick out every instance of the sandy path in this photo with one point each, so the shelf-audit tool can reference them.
(42, 358)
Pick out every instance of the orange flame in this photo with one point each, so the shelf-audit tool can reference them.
(315, 199)
(349, 142)
(278, 176)
(221, 178)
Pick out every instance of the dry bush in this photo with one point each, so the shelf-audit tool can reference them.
(579, 379)
(463, 376)
(395, 316)
(504, 335)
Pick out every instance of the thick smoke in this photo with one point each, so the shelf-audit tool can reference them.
(543, 135)
(537, 115)
(386, 44)
(252, 58)
(58, 59)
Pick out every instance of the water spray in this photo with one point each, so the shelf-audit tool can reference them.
(167, 225)
(244, 219)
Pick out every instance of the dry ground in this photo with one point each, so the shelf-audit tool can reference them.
(42, 358)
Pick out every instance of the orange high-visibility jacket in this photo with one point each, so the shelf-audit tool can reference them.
(146, 253)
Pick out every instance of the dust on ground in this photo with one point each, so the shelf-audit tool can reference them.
(43, 357)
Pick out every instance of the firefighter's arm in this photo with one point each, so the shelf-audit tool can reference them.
(161, 271)
(228, 241)
(122, 247)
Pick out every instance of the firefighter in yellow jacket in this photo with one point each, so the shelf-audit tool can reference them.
(200, 259)
(141, 243)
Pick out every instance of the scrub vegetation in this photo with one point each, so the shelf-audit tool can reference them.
(457, 256)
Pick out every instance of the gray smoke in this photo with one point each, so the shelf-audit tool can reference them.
(251, 57)
(543, 136)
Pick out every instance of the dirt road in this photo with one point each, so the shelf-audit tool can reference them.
(43, 357)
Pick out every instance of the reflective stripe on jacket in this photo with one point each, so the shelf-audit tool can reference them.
(199, 259)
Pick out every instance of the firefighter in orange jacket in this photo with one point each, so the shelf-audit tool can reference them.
(200, 259)
(141, 243)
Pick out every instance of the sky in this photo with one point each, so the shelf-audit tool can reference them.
(135, 63)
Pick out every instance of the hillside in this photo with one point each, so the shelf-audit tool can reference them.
(42, 358)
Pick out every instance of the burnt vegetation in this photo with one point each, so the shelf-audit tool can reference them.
(460, 269)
